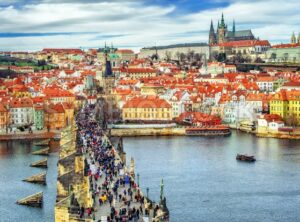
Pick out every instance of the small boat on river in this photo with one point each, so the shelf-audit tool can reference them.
(219, 130)
(245, 158)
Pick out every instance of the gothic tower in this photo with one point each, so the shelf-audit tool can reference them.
(293, 38)
(233, 28)
(222, 30)
(212, 34)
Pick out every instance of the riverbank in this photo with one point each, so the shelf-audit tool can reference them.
(269, 134)
(134, 132)
(29, 136)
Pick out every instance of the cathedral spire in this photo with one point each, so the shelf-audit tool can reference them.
(222, 21)
(233, 27)
(293, 38)
(211, 30)
(212, 35)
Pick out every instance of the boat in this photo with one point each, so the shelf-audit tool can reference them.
(219, 130)
(245, 158)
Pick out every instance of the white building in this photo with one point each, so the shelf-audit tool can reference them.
(21, 112)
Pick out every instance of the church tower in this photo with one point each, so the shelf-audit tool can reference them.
(293, 38)
(222, 30)
(233, 28)
(212, 34)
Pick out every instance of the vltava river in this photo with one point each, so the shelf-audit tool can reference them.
(204, 182)
(15, 158)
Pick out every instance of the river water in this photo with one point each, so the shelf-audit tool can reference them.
(203, 181)
(15, 158)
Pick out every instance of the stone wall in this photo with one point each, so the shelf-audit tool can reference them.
(145, 53)
(149, 132)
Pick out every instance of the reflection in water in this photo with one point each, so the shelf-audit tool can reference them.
(15, 159)
(204, 182)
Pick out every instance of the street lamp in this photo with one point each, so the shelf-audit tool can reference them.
(138, 179)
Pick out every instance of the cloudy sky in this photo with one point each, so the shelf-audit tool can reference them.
(35, 24)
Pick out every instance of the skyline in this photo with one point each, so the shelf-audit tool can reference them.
(137, 23)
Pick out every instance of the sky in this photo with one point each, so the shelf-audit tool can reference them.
(37, 24)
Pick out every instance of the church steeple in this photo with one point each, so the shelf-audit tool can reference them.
(222, 25)
(212, 35)
(233, 27)
(293, 38)
(212, 30)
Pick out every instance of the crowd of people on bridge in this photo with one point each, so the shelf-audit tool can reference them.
(116, 196)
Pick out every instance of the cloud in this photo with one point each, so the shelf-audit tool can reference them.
(72, 23)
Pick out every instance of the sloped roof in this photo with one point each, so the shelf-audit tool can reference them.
(245, 43)
(241, 33)
(147, 102)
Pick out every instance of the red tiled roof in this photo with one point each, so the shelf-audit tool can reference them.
(2, 108)
(286, 46)
(297, 84)
(125, 51)
(140, 70)
(245, 43)
(70, 51)
(147, 102)
(56, 92)
(21, 103)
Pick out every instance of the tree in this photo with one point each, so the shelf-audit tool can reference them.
(221, 57)
(258, 60)
(292, 120)
(168, 56)
(190, 55)
(198, 57)
(182, 57)
(273, 57)
(154, 57)
(178, 56)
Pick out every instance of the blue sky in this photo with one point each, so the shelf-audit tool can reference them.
(35, 24)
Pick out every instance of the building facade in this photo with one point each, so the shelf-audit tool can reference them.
(147, 109)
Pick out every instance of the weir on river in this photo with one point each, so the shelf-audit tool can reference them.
(93, 182)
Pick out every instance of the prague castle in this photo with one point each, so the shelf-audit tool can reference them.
(224, 35)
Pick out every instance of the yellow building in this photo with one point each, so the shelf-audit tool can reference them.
(152, 89)
(138, 73)
(4, 117)
(147, 109)
(57, 95)
(286, 104)
(58, 116)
